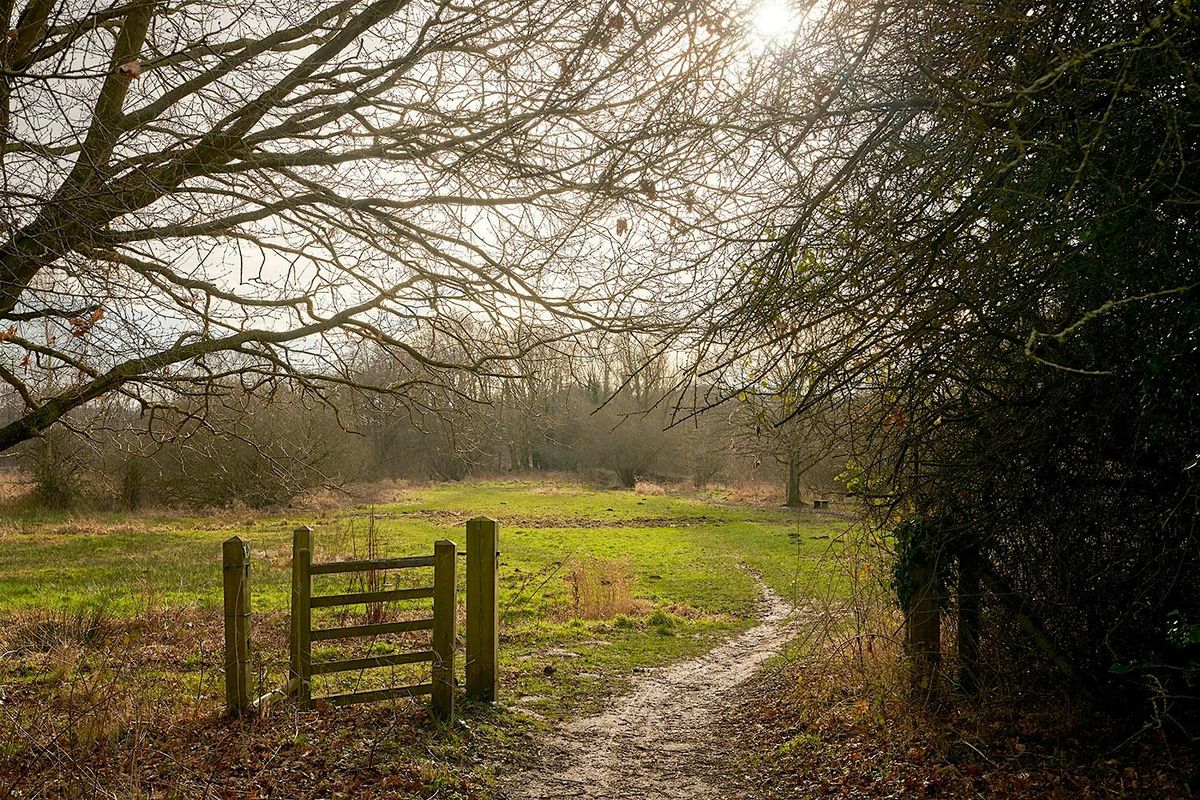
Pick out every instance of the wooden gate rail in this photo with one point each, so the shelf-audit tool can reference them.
(362, 566)
(357, 598)
(440, 655)
(357, 631)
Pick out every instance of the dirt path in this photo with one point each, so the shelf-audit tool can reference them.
(661, 741)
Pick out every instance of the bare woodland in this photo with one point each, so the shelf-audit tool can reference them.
(944, 252)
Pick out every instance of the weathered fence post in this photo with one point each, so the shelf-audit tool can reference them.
(483, 610)
(923, 624)
(235, 564)
(445, 613)
(301, 639)
(968, 619)
(920, 545)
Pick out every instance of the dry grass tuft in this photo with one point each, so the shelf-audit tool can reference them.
(385, 490)
(15, 485)
(44, 630)
(89, 527)
(750, 493)
(649, 488)
(600, 588)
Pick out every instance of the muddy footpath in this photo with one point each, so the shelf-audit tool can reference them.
(662, 741)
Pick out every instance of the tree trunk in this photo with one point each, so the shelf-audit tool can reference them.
(793, 482)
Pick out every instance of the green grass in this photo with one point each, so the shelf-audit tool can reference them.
(687, 558)
(127, 562)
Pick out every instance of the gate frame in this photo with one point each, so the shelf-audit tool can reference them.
(442, 624)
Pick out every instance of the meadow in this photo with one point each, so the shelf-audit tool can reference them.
(111, 631)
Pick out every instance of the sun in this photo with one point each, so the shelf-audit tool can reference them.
(774, 19)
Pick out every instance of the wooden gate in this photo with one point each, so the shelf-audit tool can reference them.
(441, 623)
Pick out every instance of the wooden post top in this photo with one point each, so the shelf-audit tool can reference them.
(302, 538)
(235, 551)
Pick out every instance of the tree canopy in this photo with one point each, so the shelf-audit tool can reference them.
(991, 252)
(201, 196)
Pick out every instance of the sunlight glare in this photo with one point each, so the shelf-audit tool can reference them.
(775, 19)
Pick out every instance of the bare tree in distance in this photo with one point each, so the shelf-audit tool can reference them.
(210, 197)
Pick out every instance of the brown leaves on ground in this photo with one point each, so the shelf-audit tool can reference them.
(817, 729)
(370, 752)
(104, 707)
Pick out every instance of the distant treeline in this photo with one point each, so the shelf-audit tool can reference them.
(609, 415)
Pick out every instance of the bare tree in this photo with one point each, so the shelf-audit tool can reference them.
(208, 196)
(771, 427)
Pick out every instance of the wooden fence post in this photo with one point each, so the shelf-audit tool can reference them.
(301, 638)
(445, 613)
(483, 610)
(235, 564)
(923, 625)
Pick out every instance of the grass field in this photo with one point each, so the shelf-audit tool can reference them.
(594, 584)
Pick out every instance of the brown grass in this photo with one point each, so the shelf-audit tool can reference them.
(14, 485)
(386, 490)
(45, 630)
(558, 489)
(600, 587)
(751, 493)
(137, 712)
